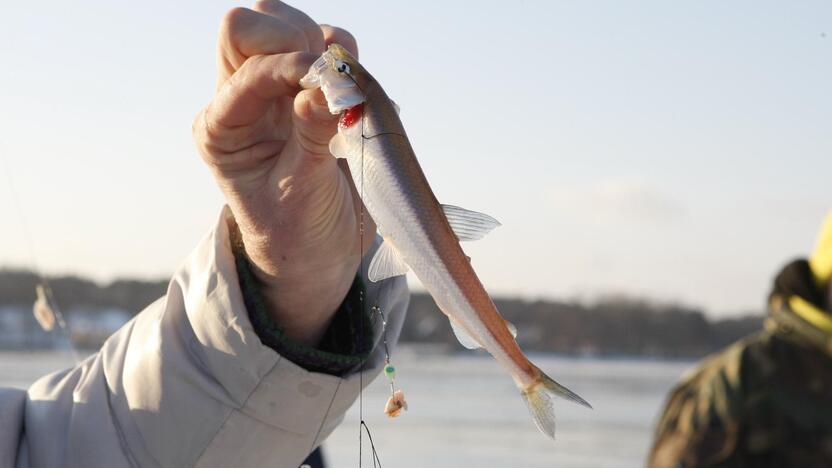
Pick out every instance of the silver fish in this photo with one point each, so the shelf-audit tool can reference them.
(420, 234)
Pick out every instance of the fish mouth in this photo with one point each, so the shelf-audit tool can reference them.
(325, 63)
(312, 79)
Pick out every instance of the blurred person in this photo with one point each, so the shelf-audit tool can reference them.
(253, 355)
(765, 401)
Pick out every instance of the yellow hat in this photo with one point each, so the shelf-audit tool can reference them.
(821, 259)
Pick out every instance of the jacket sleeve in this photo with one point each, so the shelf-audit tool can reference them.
(12, 402)
(700, 424)
(188, 382)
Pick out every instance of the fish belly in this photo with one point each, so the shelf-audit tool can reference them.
(396, 214)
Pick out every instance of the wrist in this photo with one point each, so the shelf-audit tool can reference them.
(302, 283)
(303, 305)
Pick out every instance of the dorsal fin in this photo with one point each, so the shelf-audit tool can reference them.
(469, 225)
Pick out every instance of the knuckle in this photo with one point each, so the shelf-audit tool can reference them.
(296, 39)
(266, 5)
(317, 42)
(253, 72)
(245, 72)
(280, 64)
(204, 136)
(196, 124)
(216, 141)
(252, 63)
(288, 38)
(234, 21)
(297, 60)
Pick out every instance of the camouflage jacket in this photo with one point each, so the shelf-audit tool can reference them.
(765, 401)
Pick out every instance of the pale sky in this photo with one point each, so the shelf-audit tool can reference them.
(680, 151)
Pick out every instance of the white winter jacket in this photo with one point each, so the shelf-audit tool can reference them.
(187, 383)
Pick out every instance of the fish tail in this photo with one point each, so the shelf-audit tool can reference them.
(538, 397)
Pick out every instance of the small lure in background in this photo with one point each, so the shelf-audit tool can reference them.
(48, 315)
(43, 312)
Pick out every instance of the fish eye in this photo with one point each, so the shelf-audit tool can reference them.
(342, 67)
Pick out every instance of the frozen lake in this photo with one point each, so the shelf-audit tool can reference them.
(464, 411)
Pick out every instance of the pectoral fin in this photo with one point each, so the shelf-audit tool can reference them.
(469, 225)
(386, 263)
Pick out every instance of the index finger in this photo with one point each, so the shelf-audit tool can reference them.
(245, 33)
(248, 94)
(296, 18)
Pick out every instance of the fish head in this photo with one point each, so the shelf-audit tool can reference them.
(339, 75)
(338, 56)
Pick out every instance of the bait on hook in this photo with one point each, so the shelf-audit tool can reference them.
(396, 403)
(45, 309)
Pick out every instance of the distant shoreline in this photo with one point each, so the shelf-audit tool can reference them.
(611, 328)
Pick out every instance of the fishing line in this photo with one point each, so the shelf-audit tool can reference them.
(326, 415)
(48, 293)
(361, 298)
(388, 368)
(363, 424)
(363, 135)
(380, 134)
(376, 460)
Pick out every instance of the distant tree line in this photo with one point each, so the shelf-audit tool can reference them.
(616, 326)
(17, 287)
(613, 326)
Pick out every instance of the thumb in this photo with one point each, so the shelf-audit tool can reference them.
(313, 124)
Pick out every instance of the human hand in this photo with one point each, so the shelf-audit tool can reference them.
(266, 142)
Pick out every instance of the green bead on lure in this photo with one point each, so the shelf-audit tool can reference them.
(390, 371)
